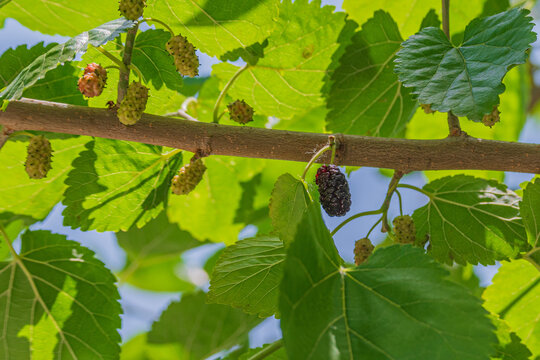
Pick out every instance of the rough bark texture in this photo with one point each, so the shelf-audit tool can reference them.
(406, 155)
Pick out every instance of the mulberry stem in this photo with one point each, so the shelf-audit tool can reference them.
(159, 22)
(111, 57)
(313, 159)
(356, 216)
(224, 91)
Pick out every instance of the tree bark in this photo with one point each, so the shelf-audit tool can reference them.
(451, 153)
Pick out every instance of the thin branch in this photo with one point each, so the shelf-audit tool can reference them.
(159, 22)
(181, 113)
(123, 81)
(315, 158)
(356, 216)
(451, 153)
(454, 128)
(386, 203)
(446, 17)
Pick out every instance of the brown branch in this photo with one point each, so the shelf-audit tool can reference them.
(406, 155)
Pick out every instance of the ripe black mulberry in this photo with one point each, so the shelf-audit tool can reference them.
(335, 196)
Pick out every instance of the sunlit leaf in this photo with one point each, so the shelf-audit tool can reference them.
(35, 198)
(61, 54)
(58, 302)
(118, 184)
(217, 26)
(289, 79)
(515, 297)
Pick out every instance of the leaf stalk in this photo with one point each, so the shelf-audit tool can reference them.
(224, 91)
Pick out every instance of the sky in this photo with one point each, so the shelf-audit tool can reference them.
(368, 188)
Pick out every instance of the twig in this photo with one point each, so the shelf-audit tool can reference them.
(356, 216)
(123, 81)
(183, 114)
(454, 128)
(159, 22)
(386, 203)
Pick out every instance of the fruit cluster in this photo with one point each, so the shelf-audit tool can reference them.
(93, 81)
(335, 196)
(188, 177)
(132, 9)
(240, 112)
(363, 248)
(185, 58)
(404, 229)
(38, 158)
(134, 104)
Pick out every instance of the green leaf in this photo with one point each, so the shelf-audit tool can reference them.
(288, 80)
(156, 64)
(117, 184)
(465, 80)
(529, 209)
(280, 354)
(515, 296)
(366, 97)
(13, 61)
(510, 346)
(248, 274)
(513, 107)
(59, 85)
(60, 17)
(391, 307)
(470, 220)
(217, 26)
(409, 14)
(431, 19)
(154, 256)
(209, 210)
(62, 53)
(492, 7)
(12, 225)
(58, 301)
(289, 202)
(201, 329)
(35, 198)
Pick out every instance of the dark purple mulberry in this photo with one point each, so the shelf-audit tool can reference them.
(335, 196)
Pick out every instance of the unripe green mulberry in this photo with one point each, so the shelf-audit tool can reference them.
(404, 229)
(133, 105)
(240, 112)
(363, 248)
(492, 118)
(38, 159)
(132, 9)
(188, 177)
(185, 58)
